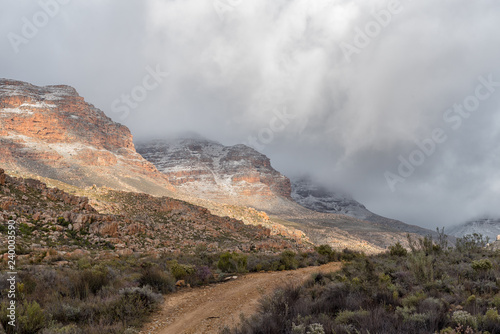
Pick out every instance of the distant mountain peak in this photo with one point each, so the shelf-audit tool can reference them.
(208, 169)
(316, 197)
(488, 227)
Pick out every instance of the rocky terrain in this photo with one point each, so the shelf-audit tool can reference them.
(241, 176)
(488, 227)
(52, 132)
(54, 224)
(206, 169)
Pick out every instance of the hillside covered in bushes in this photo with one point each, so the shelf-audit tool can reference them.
(431, 289)
(118, 295)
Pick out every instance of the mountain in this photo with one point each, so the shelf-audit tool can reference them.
(318, 198)
(311, 195)
(232, 174)
(488, 227)
(52, 132)
(239, 175)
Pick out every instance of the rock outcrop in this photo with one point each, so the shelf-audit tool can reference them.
(207, 169)
(123, 223)
(51, 131)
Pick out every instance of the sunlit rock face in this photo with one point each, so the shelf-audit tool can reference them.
(51, 131)
(208, 169)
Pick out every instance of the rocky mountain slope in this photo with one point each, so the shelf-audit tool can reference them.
(53, 223)
(51, 131)
(488, 227)
(318, 198)
(232, 174)
(239, 175)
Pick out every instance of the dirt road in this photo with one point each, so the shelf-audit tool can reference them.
(208, 309)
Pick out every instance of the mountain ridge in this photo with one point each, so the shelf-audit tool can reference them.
(51, 131)
(209, 169)
(488, 227)
(194, 164)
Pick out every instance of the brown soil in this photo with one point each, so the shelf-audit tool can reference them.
(210, 308)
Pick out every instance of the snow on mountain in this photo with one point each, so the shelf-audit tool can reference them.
(208, 169)
(488, 227)
(313, 196)
(318, 198)
(53, 132)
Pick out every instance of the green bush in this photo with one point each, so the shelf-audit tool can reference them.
(60, 329)
(232, 262)
(316, 328)
(492, 315)
(30, 318)
(471, 242)
(288, 260)
(24, 229)
(464, 318)
(325, 250)
(481, 265)
(61, 221)
(159, 280)
(135, 303)
(397, 250)
(180, 271)
(350, 317)
(90, 281)
(413, 300)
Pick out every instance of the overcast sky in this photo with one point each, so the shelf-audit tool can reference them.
(343, 90)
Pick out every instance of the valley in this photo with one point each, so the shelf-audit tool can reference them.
(136, 219)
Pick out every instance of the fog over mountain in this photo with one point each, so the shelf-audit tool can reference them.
(395, 102)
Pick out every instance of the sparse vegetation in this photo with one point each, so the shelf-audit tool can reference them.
(431, 289)
(232, 262)
(94, 296)
(81, 270)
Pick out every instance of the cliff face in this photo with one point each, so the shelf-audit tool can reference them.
(51, 131)
(211, 170)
